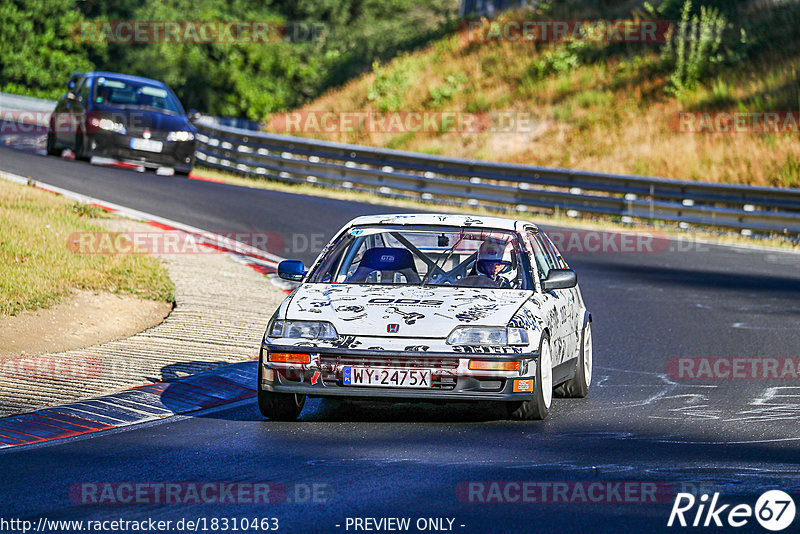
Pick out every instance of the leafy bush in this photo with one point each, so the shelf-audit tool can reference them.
(389, 87)
(695, 46)
(442, 94)
(560, 59)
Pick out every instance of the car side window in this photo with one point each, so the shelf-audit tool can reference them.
(560, 261)
(544, 257)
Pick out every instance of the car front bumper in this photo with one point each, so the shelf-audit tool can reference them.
(176, 154)
(451, 377)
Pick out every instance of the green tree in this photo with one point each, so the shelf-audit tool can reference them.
(38, 47)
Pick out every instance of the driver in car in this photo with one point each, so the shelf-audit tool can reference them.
(495, 259)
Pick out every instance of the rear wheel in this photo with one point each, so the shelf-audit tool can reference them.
(578, 385)
(279, 406)
(539, 406)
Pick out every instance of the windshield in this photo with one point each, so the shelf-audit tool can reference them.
(435, 256)
(115, 92)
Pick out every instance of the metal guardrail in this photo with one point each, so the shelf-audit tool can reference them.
(499, 185)
(489, 184)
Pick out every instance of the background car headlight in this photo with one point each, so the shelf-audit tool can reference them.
(303, 330)
(182, 135)
(111, 126)
(487, 335)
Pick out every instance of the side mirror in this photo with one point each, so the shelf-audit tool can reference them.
(560, 279)
(193, 114)
(293, 270)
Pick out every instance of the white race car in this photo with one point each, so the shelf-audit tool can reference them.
(429, 307)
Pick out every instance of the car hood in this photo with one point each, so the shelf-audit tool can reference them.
(430, 312)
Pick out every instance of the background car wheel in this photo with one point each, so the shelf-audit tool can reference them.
(80, 147)
(578, 386)
(51, 145)
(279, 406)
(539, 406)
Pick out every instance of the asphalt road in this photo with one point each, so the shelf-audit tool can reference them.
(640, 423)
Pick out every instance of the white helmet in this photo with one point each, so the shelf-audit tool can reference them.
(494, 257)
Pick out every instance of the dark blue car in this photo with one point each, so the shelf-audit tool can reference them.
(124, 118)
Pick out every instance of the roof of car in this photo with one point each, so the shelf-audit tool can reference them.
(440, 219)
(124, 77)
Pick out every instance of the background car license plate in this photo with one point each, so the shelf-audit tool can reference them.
(390, 378)
(147, 145)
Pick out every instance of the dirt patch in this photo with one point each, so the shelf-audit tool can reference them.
(85, 318)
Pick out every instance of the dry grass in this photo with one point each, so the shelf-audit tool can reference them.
(37, 268)
(609, 116)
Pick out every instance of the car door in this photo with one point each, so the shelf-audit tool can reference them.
(555, 303)
(575, 307)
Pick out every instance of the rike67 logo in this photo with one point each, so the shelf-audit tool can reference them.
(774, 510)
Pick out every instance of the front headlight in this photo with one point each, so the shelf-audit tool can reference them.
(182, 135)
(111, 126)
(303, 330)
(487, 335)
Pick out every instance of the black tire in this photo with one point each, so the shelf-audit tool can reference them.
(279, 406)
(80, 147)
(539, 406)
(577, 387)
(51, 145)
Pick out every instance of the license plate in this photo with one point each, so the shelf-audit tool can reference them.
(147, 145)
(387, 378)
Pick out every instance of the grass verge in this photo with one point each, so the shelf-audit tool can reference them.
(37, 269)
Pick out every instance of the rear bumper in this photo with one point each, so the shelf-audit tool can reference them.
(451, 377)
(178, 155)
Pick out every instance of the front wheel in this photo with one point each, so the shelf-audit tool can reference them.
(80, 147)
(539, 406)
(577, 387)
(279, 406)
(51, 145)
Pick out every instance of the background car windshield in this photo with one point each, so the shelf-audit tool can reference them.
(462, 257)
(129, 94)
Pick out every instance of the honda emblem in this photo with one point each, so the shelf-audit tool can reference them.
(392, 328)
